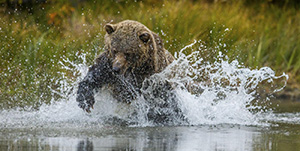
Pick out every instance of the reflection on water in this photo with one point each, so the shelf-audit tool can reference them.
(213, 137)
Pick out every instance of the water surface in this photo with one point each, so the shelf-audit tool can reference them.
(282, 136)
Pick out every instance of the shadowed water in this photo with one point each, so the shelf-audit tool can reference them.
(220, 100)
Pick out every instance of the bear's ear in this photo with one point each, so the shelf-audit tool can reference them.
(109, 28)
(144, 37)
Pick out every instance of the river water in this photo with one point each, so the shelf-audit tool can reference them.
(282, 135)
(228, 109)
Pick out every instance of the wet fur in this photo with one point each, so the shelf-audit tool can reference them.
(132, 54)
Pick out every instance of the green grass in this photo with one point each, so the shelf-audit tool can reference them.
(32, 43)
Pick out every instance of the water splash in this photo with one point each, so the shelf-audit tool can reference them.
(224, 92)
(206, 92)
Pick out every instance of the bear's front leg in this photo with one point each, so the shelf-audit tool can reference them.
(98, 75)
(85, 93)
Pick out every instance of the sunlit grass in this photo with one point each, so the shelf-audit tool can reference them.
(32, 44)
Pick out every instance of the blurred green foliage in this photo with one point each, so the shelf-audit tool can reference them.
(35, 37)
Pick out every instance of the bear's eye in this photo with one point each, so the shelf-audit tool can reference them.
(109, 29)
(144, 37)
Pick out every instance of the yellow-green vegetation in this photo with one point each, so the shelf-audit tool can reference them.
(34, 39)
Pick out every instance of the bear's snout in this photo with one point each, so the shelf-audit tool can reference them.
(119, 65)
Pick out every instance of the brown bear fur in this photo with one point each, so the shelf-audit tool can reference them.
(132, 54)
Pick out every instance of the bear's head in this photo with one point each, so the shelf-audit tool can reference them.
(131, 45)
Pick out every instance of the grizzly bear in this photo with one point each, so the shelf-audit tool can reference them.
(132, 53)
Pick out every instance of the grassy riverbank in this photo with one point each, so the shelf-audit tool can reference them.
(34, 40)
